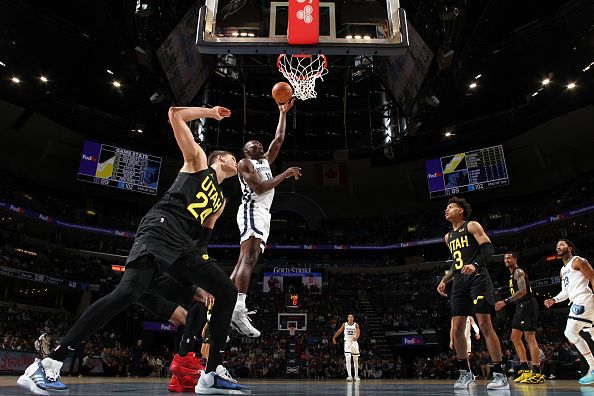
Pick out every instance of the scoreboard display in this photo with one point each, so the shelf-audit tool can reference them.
(118, 167)
(292, 300)
(469, 171)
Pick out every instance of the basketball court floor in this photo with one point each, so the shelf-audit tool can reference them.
(99, 386)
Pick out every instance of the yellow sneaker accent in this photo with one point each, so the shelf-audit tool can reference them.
(534, 379)
(525, 375)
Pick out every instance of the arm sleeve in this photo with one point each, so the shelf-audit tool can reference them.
(562, 296)
(486, 250)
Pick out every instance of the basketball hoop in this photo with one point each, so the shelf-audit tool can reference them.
(292, 329)
(302, 71)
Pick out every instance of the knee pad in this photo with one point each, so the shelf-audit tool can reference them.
(572, 334)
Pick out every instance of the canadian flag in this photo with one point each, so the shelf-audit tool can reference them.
(331, 174)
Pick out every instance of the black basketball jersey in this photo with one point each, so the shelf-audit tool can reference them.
(463, 247)
(191, 199)
(513, 285)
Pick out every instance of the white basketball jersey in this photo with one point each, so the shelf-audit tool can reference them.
(349, 331)
(575, 283)
(467, 330)
(262, 167)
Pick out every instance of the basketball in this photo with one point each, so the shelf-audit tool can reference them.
(282, 92)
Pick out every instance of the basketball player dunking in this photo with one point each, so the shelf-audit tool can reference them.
(253, 215)
(525, 320)
(165, 242)
(472, 289)
(576, 276)
(351, 346)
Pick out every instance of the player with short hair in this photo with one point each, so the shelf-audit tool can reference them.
(525, 320)
(576, 276)
(164, 242)
(472, 289)
(253, 215)
(352, 331)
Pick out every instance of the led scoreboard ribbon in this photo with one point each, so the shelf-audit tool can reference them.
(469, 171)
(118, 167)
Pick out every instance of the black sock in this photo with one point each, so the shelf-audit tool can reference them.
(179, 334)
(536, 368)
(463, 364)
(524, 366)
(194, 322)
(497, 368)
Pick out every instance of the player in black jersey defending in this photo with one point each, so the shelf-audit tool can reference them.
(525, 320)
(165, 242)
(472, 289)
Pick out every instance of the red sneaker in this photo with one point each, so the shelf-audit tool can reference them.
(201, 367)
(186, 365)
(181, 384)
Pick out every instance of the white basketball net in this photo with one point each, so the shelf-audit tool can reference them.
(302, 71)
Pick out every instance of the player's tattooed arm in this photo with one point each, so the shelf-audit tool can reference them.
(520, 277)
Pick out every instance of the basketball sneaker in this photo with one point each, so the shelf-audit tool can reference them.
(587, 379)
(182, 366)
(349, 378)
(463, 380)
(182, 384)
(535, 378)
(524, 376)
(241, 322)
(357, 379)
(499, 382)
(42, 377)
(220, 382)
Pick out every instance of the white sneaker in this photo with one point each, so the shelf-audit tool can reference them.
(219, 382)
(349, 378)
(42, 377)
(357, 379)
(463, 380)
(499, 382)
(241, 322)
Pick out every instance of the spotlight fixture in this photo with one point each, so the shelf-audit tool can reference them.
(15, 80)
(571, 85)
(139, 130)
(43, 79)
(2, 64)
(251, 35)
(448, 134)
(349, 37)
(357, 37)
(235, 34)
(367, 37)
(117, 84)
(535, 93)
(472, 85)
(109, 72)
(546, 81)
(243, 34)
(478, 76)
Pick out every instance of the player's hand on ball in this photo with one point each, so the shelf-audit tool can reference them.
(549, 302)
(468, 269)
(283, 108)
(220, 112)
(499, 305)
(293, 172)
(441, 289)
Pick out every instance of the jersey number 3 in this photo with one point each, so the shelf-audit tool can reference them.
(199, 205)
(458, 258)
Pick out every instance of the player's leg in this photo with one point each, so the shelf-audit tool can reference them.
(516, 338)
(461, 309)
(347, 360)
(355, 355)
(209, 276)
(458, 329)
(44, 375)
(572, 333)
(249, 253)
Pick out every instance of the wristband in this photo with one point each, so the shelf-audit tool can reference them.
(506, 301)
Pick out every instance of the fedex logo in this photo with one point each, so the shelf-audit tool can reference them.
(434, 175)
(89, 158)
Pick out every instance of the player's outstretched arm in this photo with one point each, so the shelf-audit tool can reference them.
(194, 156)
(562, 296)
(340, 330)
(279, 137)
(248, 173)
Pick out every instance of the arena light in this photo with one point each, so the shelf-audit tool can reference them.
(139, 130)
(109, 72)
(43, 79)
(349, 37)
(534, 94)
(478, 76)
(235, 34)
(472, 85)
(571, 85)
(546, 81)
(251, 35)
(116, 84)
(357, 37)
(448, 134)
(367, 37)
(2, 64)
(15, 80)
(243, 34)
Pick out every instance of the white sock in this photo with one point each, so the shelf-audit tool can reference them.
(240, 300)
(590, 360)
(356, 364)
(348, 364)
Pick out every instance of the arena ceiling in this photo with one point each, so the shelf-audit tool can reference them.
(506, 50)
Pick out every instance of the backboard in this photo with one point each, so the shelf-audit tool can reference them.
(352, 27)
(298, 320)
